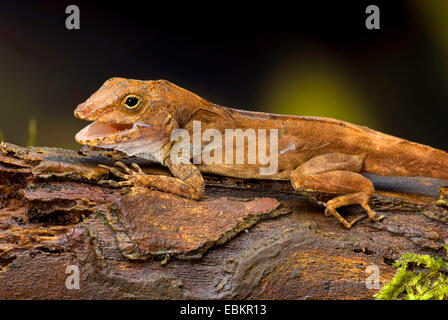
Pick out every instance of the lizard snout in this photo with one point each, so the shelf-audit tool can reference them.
(83, 111)
(76, 113)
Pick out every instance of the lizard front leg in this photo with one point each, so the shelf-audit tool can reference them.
(336, 173)
(187, 181)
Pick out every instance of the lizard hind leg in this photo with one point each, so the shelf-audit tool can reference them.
(362, 198)
(336, 173)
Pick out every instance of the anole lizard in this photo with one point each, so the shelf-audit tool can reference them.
(317, 154)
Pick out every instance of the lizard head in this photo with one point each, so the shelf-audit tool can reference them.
(128, 115)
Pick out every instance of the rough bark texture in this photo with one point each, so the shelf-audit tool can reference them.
(245, 240)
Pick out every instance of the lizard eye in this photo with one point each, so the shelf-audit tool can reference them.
(132, 102)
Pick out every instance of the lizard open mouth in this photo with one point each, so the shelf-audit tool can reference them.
(98, 129)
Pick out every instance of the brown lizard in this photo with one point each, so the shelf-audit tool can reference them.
(314, 153)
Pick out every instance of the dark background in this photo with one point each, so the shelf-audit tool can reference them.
(313, 58)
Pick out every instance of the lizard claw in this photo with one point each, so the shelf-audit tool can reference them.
(124, 167)
(115, 171)
(137, 168)
(121, 171)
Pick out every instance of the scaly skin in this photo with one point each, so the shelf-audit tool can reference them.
(316, 154)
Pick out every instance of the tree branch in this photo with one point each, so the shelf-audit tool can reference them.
(246, 239)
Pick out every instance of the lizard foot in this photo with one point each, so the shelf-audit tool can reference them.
(137, 178)
(372, 214)
(331, 211)
(130, 177)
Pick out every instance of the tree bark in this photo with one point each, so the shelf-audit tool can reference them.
(247, 239)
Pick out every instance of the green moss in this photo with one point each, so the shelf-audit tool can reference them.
(418, 277)
(99, 214)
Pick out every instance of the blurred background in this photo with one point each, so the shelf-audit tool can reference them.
(309, 59)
